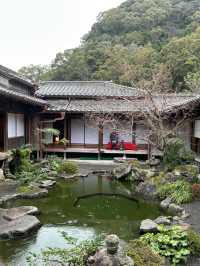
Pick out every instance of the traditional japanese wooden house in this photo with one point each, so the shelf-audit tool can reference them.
(18, 109)
(71, 104)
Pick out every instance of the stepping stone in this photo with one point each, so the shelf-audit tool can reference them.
(19, 227)
(15, 213)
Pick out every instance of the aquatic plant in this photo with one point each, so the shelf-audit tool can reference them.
(76, 255)
(171, 243)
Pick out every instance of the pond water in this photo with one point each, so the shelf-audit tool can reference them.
(90, 217)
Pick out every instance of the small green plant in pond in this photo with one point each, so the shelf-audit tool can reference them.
(194, 242)
(179, 191)
(171, 243)
(142, 254)
(68, 167)
(76, 255)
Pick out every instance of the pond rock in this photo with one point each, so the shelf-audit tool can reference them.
(39, 193)
(146, 189)
(148, 226)
(175, 209)
(15, 213)
(121, 171)
(19, 227)
(112, 255)
(165, 203)
(162, 220)
(47, 183)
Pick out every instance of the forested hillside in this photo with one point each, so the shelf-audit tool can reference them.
(142, 42)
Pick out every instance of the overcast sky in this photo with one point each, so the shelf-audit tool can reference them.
(33, 31)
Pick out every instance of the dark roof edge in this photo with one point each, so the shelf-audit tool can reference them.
(11, 74)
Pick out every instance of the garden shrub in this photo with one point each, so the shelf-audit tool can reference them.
(159, 179)
(68, 167)
(175, 154)
(194, 242)
(179, 191)
(142, 254)
(188, 169)
(54, 162)
(196, 191)
(171, 243)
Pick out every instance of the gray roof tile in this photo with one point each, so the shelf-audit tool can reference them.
(163, 102)
(21, 97)
(84, 89)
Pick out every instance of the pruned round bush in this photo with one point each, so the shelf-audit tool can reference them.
(142, 254)
(68, 167)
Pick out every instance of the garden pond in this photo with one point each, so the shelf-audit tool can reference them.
(88, 218)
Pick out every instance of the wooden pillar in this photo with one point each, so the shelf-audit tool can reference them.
(6, 132)
(100, 140)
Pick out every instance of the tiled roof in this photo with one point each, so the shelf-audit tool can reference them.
(14, 75)
(21, 97)
(84, 89)
(164, 103)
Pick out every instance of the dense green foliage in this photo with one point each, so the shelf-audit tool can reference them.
(179, 191)
(135, 43)
(142, 254)
(24, 169)
(68, 167)
(194, 242)
(175, 154)
(169, 242)
(76, 255)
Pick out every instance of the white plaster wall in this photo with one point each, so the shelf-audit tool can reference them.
(77, 131)
(106, 134)
(91, 134)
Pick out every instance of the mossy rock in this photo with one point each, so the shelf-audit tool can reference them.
(142, 254)
(25, 189)
(188, 169)
(159, 179)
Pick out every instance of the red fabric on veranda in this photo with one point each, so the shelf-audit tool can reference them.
(127, 146)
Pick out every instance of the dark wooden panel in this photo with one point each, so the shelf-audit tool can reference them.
(14, 143)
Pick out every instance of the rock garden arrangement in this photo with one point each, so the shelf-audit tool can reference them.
(167, 240)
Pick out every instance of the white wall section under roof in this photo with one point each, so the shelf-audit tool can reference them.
(77, 131)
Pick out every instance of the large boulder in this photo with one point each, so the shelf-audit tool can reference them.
(121, 171)
(148, 226)
(19, 227)
(146, 189)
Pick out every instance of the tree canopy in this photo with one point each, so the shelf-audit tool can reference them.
(133, 43)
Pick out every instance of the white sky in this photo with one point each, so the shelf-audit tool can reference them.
(33, 31)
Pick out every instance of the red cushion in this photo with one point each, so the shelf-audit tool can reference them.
(127, 146)
(130, 146)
